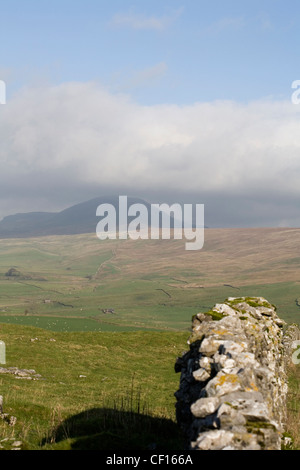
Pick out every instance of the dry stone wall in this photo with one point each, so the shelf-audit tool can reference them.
(233, 383)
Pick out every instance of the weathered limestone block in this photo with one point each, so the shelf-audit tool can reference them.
(233, 386)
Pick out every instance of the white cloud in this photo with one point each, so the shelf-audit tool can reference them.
(265, 22)
(76, 136)
(143, 22)
(225, 24)
(148, 76)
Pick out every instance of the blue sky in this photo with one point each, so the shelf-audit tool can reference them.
(157, 51)
(167, 100)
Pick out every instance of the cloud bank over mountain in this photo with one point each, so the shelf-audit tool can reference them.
(65, 144)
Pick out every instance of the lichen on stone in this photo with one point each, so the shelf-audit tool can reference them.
(239, 350)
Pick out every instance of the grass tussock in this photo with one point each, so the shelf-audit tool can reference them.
(293, 407)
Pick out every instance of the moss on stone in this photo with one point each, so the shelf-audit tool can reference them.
(215, 315)
(251, 301)
(256, 426)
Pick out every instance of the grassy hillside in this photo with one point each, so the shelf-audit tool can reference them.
(293, 406)
(108, 378)
(97, 390)
(64, 283)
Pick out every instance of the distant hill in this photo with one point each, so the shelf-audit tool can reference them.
(77, 219)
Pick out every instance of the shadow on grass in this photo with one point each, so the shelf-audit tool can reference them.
(109, 429)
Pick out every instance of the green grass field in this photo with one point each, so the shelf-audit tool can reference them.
(108, 379)
(63, 283)
(97, 390)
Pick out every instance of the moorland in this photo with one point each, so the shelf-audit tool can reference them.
(102, 322)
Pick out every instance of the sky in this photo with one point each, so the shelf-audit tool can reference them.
(171, 101)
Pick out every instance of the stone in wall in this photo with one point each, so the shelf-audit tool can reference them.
(233, 383)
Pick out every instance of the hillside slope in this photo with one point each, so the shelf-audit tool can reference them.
(77, 219)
